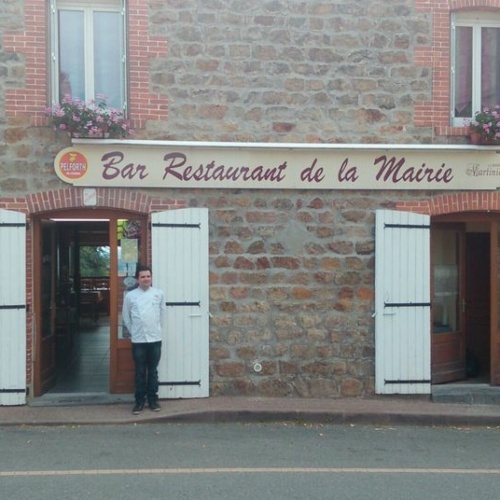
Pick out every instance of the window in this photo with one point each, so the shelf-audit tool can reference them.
(88, 51)
(475, 64)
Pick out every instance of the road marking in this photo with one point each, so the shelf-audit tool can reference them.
(246, 470)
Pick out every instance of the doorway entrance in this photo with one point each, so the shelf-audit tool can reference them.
(462, 301)
(85, 261)
(437, 300)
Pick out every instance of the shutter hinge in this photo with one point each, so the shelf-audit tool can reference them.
(168, 224)
(182, 304)
(186, 382)
(407, 304)
(424, 381)
(409, 226)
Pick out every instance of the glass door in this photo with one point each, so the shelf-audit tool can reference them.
(47, 337)
(448, 304)
(128, 250)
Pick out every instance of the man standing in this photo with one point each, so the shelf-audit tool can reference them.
(144, 315)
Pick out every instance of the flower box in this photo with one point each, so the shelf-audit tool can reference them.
(81, 119)
(484, 128)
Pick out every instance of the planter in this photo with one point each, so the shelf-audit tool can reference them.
(475, 137)
(479, 139)
(88, 120)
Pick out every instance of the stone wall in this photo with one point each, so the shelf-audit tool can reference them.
(292, 288)
(292, 71)
(292, 272)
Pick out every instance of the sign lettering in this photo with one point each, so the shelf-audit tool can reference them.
(177, 165)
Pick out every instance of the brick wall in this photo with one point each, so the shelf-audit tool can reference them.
(26, 38)
(435, 112)
(473, 201)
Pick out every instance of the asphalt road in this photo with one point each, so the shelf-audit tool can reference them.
(249, 461)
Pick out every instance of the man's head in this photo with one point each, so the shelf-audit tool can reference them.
(143, 277)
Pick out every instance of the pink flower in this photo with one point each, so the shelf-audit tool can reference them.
(90, 118)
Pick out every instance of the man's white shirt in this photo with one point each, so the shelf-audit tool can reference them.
(144, 314)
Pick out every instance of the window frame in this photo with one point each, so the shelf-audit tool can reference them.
(88, 8)
(476, 21)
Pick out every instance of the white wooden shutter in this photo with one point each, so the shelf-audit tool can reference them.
(402, 303)
(13, 308)
(180, 269)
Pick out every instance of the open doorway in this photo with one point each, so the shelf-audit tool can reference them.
(461, 302)
(82, 270)
(477, 306)
(75, 286)
(82, 307)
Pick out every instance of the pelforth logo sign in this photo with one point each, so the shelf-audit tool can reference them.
(148, 164)
(72, 166)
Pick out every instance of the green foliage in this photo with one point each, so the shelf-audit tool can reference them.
(94, 261)
(487, 123)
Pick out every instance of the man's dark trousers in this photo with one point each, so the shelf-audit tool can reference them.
(146, 358)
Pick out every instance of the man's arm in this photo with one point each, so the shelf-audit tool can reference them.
(163, 312)
(126, 312)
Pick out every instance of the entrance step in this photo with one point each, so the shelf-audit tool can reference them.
(81, 399)
(480, 394)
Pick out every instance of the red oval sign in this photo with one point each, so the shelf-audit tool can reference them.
(73, 165)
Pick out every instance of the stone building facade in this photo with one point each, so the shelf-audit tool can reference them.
(291, 271)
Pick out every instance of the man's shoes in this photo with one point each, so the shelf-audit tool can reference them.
(136, 410)
(154, 406)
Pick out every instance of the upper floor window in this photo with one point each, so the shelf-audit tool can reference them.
(88, 51)
(475, 63)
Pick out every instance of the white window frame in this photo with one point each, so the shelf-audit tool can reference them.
(476, 21)
(88, 7)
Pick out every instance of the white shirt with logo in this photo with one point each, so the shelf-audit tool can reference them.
(144, 314)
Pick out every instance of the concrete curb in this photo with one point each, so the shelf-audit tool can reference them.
(377, 411)
(329, 418)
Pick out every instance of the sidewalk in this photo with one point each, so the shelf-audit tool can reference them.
(376, 411)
